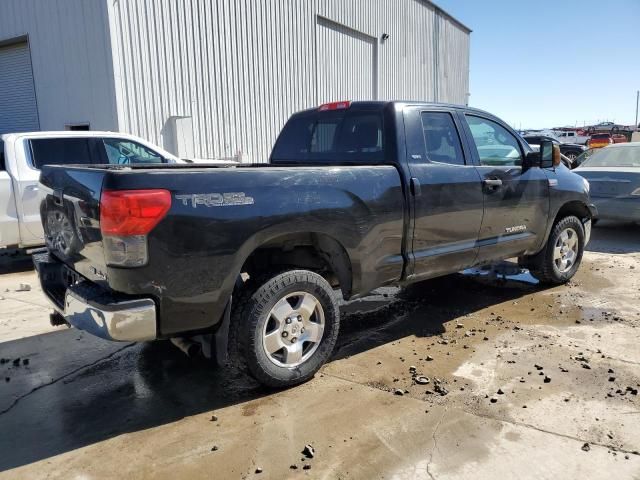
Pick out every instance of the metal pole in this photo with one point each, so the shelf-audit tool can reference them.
(637, 101)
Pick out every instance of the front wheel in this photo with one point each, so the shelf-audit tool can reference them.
(560, 259)
(286, 328)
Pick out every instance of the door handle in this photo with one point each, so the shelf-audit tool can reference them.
(414, 186)
(492, 182)
(32, 188)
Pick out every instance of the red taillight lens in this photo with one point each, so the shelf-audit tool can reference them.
(334, 106)
(132, 212)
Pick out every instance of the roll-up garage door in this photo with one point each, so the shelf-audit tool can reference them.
(18, 108)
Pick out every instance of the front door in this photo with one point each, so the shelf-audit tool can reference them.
(516, 203)
(446, 193)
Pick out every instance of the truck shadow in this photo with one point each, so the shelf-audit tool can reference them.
(614, 237)
(14, 261)
(422, 309)
(78, 390)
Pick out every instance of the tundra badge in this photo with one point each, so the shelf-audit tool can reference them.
(516, 229)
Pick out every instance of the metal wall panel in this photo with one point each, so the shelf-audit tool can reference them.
(453, 62)
(71, 59)
(239, 68)
(18, 108)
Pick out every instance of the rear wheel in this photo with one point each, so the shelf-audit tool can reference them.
(286, 328)
(560, 259)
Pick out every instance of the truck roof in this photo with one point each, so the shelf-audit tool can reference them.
(401, 103)
(67, 133)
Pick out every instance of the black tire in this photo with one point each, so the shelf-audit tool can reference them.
(252, 315)
(543, 266)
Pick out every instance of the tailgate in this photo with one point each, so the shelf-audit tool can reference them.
(70, 213)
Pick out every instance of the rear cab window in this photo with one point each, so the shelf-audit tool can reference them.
(90, 150)
(346, 135)
(60, 151)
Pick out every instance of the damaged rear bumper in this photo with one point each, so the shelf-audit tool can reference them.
(89, 307)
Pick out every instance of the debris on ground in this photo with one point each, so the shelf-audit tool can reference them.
(308, 451)
(586, 447)
(23, 287)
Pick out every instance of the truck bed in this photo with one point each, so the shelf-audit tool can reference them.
(220, 214)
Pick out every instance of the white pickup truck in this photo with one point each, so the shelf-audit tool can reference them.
(572, 137)
(22, 155)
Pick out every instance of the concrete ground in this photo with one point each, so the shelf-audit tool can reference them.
(523, 382)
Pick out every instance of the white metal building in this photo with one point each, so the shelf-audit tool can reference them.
(218, 78)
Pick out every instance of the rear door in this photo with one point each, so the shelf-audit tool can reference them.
(516, 203)
(446, 192)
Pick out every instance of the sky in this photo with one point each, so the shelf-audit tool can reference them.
(543, 63)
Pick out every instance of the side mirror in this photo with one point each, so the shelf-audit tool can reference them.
(532, 159)
(549, 154)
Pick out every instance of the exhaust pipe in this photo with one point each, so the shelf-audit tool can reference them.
(189, 347)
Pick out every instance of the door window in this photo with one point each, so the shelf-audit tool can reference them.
(125, 152)
(441, 138)
(60, 151)
(495, 144)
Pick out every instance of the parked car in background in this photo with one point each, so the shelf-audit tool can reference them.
(604, 127)
(355, 196)
(23, 154)
(569, 150)
(572, 137)
(614, 178)
(583, 157)
(600, 140)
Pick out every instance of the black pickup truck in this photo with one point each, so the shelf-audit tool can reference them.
(356, 196)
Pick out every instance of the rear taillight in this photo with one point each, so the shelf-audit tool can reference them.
(126, 218)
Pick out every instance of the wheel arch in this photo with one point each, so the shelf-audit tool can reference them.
(315, 251)
(576, 208)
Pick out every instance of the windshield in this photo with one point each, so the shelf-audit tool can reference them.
(615, 157)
